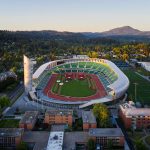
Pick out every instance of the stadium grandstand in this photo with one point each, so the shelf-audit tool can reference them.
(121, 64)
(54, 83)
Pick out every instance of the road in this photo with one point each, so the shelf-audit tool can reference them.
(129, 142)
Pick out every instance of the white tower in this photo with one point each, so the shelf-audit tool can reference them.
(28, 72)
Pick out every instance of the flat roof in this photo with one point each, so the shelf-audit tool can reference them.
(88, 117)
(29, 117)
(58, 112)
(131, 110)
(55, 141)
(101, 132)
(11, 132)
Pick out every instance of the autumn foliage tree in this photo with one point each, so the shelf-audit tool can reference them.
(102, 114)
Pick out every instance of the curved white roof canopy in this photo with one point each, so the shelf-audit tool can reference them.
(122, 82)
(39, 71)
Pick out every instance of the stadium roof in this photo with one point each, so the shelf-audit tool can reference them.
(55, 141)
(122, 83)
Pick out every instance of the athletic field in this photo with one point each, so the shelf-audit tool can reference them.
(76, 87)
(142, 91)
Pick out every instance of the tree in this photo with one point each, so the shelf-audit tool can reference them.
(91, 144)
(13, 69)
(102, 114)
(125, 56)
(4, 101)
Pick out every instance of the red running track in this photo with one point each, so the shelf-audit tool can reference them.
(99, 94)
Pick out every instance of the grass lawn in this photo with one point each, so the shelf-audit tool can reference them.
(9, 123)
(142, 71)
(143, 87)
(76, 88)
(147, 140)
(136, 135)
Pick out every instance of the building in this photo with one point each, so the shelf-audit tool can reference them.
(6, 75)
(55, 141)
(89, 120)
(103, 136)
(58, 117)
(115, 82)
(28, 72)
(10, 137)
(29, 119)
(134, 117)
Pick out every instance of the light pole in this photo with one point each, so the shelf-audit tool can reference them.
(135, 90)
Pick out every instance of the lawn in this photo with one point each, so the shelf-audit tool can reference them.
(76, 88)
(143, 87)
(9, 123)
(148, 140)
(142, 71)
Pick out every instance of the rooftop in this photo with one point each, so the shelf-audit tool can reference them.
(88, 117)
(111, 132)
(11, 132)
(80, 57)
(55, 141)
(29, 117)
(57, 112)
(130, 110)
(5, 75)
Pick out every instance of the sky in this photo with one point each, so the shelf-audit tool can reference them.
(74, 15)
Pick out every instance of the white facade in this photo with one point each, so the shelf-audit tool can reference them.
(28, 72)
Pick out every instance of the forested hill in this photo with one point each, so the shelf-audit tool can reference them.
(43, 35)
(69, 37)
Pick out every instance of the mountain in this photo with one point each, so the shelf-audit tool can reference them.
(121, 31)
(126, 30)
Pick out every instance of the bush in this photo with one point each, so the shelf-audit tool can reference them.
(4, 101)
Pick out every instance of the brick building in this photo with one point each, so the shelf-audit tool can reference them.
(89, 120)
(58, 117)
(134, 117)
(10, 137)
(103, 136)
(29, 119)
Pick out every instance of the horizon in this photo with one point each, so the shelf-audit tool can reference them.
(74, 16)
(73, 31)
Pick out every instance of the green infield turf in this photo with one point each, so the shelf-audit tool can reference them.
(143, 87)
(76, 88)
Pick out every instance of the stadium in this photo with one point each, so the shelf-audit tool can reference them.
(78, 82)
